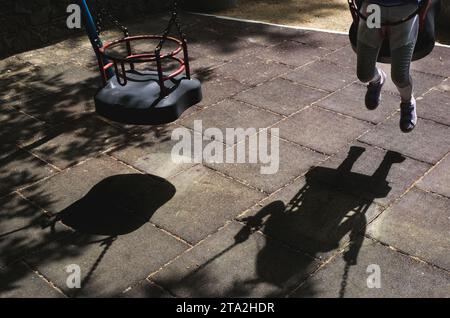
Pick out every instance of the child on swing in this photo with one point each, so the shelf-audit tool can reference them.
(402, 38)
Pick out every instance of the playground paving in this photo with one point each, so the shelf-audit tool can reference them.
(352, 192)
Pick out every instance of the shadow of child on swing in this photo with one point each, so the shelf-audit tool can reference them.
(318, 220)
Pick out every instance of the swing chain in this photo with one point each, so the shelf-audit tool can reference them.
(101, 13)
(173, 20)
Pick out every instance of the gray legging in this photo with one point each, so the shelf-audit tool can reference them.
(400, 70)
(402, 38)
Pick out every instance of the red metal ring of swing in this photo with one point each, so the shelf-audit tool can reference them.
(142, 58)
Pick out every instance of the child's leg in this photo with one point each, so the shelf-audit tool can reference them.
(369, 73)
(401, 63)
(367, 70)
(368, 48)
(403, 41)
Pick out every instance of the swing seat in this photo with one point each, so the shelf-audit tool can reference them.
(425, 41)
(141, 85)
(140, 102)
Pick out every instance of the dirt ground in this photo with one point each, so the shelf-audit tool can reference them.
(323, 14)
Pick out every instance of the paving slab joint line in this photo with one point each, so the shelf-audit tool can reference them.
(282, 243)
(211, 105)
(381, 148)
(322, 265)
(404, 193)
(45, 279)
(340, 149)
(258, 204)
(242, 182)
(434, 193)
(431, 120)
(19, 190)
(413, 257)
(307, 86)
(145, 280)
(45, 212)
(162, 288)
(333, 50)
(250, 87)
(283, 186)
(143, 172)
(265, 110)
(121, 162)
(178, 238)
(31, 152)
(199, 243)
(428, 172)
(345, 115)
(30, 184)
(179, 125)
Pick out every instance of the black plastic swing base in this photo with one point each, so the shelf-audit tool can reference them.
(139, 102)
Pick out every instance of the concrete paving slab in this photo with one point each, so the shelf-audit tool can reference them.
(107, 267)
(57, 107)
(350, 101)
(344, 56)
(19, 169)
(20, 282)
(419, 224)
(203, 202)
(33, 237)
(151, 152)
(69, 144)
(400, 277)
(428, 142)
(219, 87)
(322, 130)
(438, 62)
(252, 70)
(435, 106)
(293, 53)
(327, 40)
(281, 96)
(19, 128)
(146, 289)
(64, 189)
(265, 267)
(438, 180)
(220, 46)
(292, 162)
(323, 75)
(230, 114)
